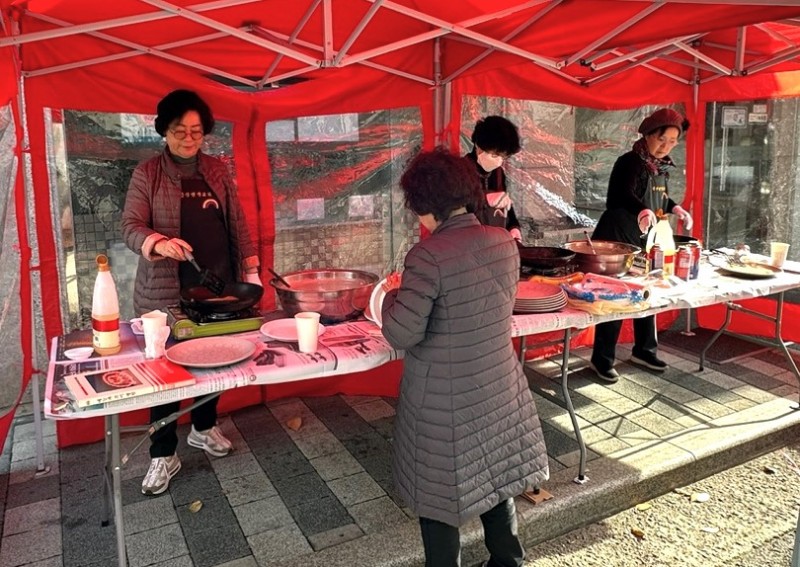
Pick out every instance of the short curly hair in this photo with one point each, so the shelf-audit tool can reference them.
(177, 103)
(438, 182)
(496, 134)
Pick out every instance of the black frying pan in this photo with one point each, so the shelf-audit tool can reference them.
(234, 297)
(545, 257)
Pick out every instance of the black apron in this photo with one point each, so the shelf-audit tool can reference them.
(620, 225)
(203, 226)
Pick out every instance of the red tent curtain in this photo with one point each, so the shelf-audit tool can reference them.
(100, 90)
(136, 84)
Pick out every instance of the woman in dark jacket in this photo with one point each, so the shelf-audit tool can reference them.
(183, 200)
(637, 189)
(494, 140)
(467, 437)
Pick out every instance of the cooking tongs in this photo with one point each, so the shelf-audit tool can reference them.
(208, 280)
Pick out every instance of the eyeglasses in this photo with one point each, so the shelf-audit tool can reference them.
(181, 134)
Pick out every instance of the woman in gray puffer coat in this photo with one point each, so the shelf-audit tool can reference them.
(467, 436)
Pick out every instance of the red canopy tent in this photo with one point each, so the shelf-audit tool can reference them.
(262, 60)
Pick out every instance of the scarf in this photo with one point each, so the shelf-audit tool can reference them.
(655, 166)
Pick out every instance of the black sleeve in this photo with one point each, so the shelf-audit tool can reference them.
(624, 184)
(511, 219)
(502, 185)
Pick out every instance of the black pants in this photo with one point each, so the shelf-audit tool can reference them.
(164, 442)
(443, 546)
(607, 334)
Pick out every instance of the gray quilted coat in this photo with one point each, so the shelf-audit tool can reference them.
(467, 435)
(153, 205)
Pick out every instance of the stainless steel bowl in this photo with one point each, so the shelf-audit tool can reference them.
(611, 258)
(337, 295)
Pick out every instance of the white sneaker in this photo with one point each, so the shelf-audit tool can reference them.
(212, 441)
(161, 470)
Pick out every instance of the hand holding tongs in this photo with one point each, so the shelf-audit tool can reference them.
(208, 280)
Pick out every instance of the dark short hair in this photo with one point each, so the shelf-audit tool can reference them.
(438, 182)
(496, 134)
(177, 103)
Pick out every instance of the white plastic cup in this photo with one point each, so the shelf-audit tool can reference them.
(307, 323)
(778, 252)
(154, 325)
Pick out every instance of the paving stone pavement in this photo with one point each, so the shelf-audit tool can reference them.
(323, 495)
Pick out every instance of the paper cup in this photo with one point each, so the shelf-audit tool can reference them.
(307, 323)
(778, 252)
(154, 325)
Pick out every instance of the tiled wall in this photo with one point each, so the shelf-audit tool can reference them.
(93, 237)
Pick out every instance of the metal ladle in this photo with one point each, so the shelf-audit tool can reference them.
(279, 277)
(589, 240)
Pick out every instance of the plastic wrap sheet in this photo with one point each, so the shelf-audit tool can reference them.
(91, 156)
(336, 190)
(11, 313)
(559, 181)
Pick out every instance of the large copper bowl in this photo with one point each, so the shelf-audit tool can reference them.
(337, 295)
(611, 258)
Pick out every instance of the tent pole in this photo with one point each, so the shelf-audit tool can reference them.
(41, 467)
(712, 145)
(437, 91)
(23, 143)
(138, 49)
(518, 30)
(447, 102)
(289, 39)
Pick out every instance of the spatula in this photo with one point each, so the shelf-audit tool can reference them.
(208, 280)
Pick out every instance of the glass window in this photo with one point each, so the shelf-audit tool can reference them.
(751, 174)
(91, 158)
(336, 190)
(751, 179)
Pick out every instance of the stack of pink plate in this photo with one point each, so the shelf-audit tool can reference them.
(534, 297)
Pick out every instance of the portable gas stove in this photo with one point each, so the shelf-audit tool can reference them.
(187, 323)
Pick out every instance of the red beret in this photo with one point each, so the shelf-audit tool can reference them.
(662, 117)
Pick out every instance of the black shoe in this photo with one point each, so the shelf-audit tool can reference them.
(609, 376)
(650, 361)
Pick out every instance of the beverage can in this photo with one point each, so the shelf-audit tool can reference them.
(695, 250)
(669, 264)
(683, 263)
(656, 257)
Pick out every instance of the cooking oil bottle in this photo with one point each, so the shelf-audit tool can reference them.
(664, 238)
(105, 311)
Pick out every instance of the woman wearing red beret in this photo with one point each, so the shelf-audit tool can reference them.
(637, 188)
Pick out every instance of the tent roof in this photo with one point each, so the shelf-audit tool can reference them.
(253, 45)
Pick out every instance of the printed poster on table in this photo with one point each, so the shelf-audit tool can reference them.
(108, 385)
